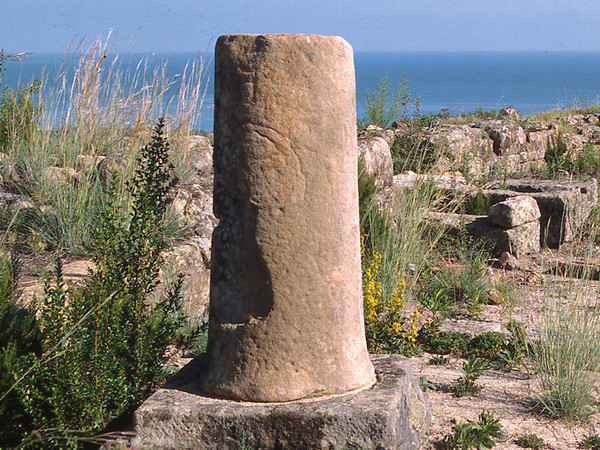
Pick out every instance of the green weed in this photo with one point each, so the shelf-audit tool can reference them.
(385, 105)
(472, 369)
(592, 441)
(530, 440)
(103, 346)
(475, 435)
(558, 156)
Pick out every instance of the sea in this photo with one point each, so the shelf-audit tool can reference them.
(456, 82)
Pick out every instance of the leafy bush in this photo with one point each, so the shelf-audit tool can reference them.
(516, 348)
(444, 343)
(487, 345)
(104, 345)
(19, 336)
(384, 105)
(588, 161)
(479, 435)
(472, 369)
(557, 156)
(477, 204)
(592, 441)
(530, 440)
(19, 115)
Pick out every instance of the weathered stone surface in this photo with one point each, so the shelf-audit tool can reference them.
(13, 177)
(375, 154)
(514, 211)
(591, 133)
(508, 136)
(390, 415)
(564, 205)
(58, 175)
(201, 152)
(457, 140)
(470, 326)
(519, 240)
(286, 317)
(193, 205)
(510, 113)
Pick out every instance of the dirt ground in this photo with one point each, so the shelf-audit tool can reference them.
(511, 395)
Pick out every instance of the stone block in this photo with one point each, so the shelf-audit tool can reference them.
(518, 240)
(514, 211)
(392, 414)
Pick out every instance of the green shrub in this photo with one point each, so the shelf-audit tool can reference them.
(473, 369)
(477, 204)
(592, 441)
(464, 283)
(19, 337)
(516, 348)
(487, 345)
(557, 156)
(530, 440)
(19, 116)
(588, 161)
(444, 343)
(384, 105)
(475, 435)
(104, 345)
(412, 151)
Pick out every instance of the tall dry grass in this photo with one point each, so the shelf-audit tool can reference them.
(96, 111)
(567, 347)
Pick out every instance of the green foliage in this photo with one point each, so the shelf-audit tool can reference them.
(486, 345)
(588, 161)
(478, 435)
(19, 337)
(104, 346)
(412, 151)
(516, 348)
(472, 369)
(437, 361)
(438, 302)
(592, 441)
(558, 156)
(384, 105)
(477, 204)
(464, 280)
(426, 385)
(566, 355)
(19, 116)
(530, 440)
(444, 343)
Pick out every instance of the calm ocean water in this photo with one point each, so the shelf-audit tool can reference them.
(460, 81)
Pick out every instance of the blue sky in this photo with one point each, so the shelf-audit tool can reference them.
(421, 25)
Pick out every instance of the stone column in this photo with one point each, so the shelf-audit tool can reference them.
(286, 318)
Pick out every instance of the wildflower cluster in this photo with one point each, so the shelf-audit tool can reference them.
(387, 328)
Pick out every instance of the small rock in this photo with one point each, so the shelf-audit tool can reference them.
(510, 113)
(58, 175)
(508, 261)
(495, 297)
(514, 211)
(533, 279)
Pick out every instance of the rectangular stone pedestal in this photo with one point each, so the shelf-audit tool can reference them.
(390, 415)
